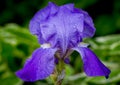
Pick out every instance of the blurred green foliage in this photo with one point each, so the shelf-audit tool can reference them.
(17, 44)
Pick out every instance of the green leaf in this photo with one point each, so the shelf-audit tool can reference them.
(11, 80)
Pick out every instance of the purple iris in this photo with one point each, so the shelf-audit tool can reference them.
(60, 31)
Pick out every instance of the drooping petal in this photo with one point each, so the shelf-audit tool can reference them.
(39, 66)
(92, 65)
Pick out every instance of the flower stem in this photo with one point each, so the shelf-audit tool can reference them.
(59, 73)
(60, 78)
(58, 83)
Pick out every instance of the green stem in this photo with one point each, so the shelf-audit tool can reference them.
(60, 78)
(59, 73)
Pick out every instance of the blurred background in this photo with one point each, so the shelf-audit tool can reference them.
(17, 44)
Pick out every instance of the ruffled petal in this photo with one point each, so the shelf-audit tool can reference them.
(39, 66)
(92, 65)
(62, 26)
(39, 17)
(89, 29)
(62, 29)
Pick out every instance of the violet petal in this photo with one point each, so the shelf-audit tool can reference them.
(89, 29)
(39, 17)
(39, 66)
(67, 60)
(62, 28)
(92, 65)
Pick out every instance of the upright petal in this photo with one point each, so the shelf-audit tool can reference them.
(62, 28)
(39, 17)
(89, 29)
(39, 66)
(92, 65)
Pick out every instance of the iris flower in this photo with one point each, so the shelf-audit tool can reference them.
(60, 31)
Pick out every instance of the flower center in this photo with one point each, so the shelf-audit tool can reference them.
(46, 45)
